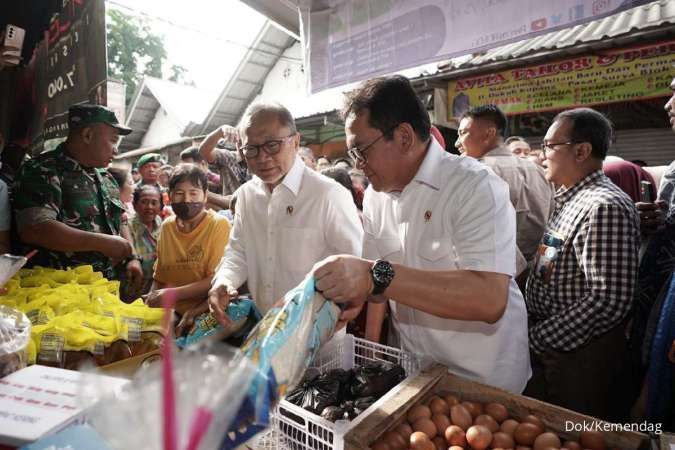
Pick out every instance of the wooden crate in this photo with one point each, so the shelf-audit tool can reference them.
(436, 379)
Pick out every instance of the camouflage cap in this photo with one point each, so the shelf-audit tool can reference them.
(148, 158)
(87, 114)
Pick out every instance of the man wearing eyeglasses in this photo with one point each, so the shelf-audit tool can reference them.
(440, 244)
(288, 216)
(581, 289)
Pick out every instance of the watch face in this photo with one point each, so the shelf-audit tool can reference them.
(383, 272)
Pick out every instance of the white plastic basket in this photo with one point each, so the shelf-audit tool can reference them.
(309, 431)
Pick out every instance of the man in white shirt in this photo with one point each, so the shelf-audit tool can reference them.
(288, 217)
(444, 235)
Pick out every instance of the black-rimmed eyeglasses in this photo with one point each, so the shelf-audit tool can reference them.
(270, 147)
(359, 154)
(545, 146)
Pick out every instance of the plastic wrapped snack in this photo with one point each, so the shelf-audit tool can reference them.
(244, 316)
(14, 339)
(282, 346)
(9, 266)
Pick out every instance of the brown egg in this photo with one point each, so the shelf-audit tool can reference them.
(478, 437)
(431, 399)
(509, 426)
(523, 447)
(488, 422)
(439, 406)
(535, 420)
(454, 435)
(546, 440)
(439, 442)
(461, 417)
(441, 421)
(474, 408)
(426, 426)
(497, 411)
(592, 440)
(380, 445)
(502, 440)
(420, 441)
(451, 400)
(418, 412)
(572, 445)
(404, 430)
(526, 433)
(395, 441)
(455, 447)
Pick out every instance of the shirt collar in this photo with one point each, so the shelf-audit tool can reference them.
(564, 195)
(428, 172)
(293, 178)
(501, 150)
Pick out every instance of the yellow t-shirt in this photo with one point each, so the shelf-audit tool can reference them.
(183, 258)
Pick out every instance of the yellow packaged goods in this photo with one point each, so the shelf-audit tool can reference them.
(14, 337)
(77, 316)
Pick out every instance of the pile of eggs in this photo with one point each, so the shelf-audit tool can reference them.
(445, 423)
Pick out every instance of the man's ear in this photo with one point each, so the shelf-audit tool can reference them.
(87, 134)
(490, 133)
(584, 151)
(406, 135)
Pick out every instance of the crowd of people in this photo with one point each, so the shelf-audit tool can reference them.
(531, 270)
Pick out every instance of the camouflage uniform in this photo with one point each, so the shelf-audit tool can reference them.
(54, 186)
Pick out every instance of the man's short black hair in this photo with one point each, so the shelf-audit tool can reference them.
(590, 126)
(390, 101)
(189, 172)
(491, 113)
(191, 153)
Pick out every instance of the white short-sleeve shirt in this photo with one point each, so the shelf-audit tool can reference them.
(278, 236)
(454, 215)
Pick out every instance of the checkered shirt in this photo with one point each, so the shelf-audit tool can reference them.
(590, 289)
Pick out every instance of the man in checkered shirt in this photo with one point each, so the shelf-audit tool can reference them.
(581, 288)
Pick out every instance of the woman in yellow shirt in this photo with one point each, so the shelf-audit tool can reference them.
(190, 245)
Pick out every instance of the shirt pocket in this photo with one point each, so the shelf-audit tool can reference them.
(436, 253)
(389, 249)
(300, 249)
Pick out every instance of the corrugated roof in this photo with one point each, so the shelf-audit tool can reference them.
(248, 79)
(185, 104)
(653, 14)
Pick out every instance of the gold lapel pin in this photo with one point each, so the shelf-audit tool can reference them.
(427, 216)
(289, 210)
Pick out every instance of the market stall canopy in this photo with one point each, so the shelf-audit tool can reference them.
(248, 79)
(184, 105)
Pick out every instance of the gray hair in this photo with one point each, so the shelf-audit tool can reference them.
(306, 152)
(283, 115)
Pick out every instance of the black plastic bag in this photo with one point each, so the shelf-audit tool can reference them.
(375, 379)
(363, 403)
(315, 393)
(345, 378)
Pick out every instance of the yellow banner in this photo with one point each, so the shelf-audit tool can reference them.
(605, 77)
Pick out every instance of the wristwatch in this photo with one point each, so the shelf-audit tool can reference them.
(382, 273)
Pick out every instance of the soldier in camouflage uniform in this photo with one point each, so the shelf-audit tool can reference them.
(67, 205)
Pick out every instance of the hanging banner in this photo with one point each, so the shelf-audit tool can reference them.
(619, 75)
(351, 40)
(70, 67)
